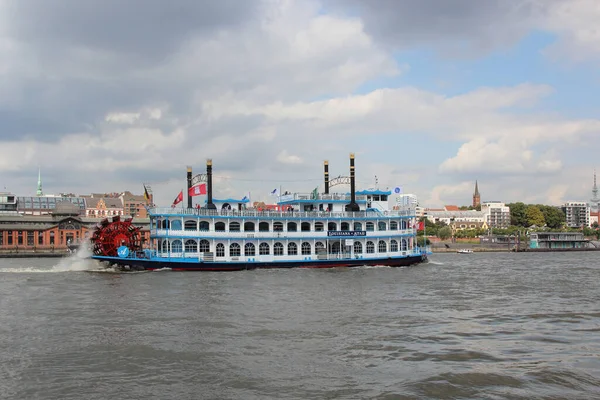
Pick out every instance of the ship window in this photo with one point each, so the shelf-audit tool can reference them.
(278, 249)
(263, 227)
(278, 226)
(191, 246)
(305, 249)
(176, 246)
(319, 227)
(263, 249)
(393, 245)
(292, 249)
(220, 227)
(51, 238)
(204, 226)
(305, 227)
(381, 226)
(320, 248)
(370, 227)
(357, 226)
(382, 246)
(220, 250)
(393, 225)
(370, 247)
(345, 226)
(332, 226)
(30, 238)
(357, 248)
(1, 238)
(292, 227)
(165, 246)
(204, 246)
(404, 245)
(404, 224)
(176, 225)
(234, 250)
(249, 227)
(234, 227)
(190, 225)
(249, 249)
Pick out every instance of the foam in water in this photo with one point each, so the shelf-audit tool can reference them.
(78, 261)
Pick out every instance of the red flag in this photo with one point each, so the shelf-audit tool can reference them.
(197, 190)
(419, 225)
(178, 199)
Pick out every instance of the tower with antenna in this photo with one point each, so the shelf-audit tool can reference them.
(595, 201)
(39, 185)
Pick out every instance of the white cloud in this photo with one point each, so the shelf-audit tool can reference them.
(285, 158)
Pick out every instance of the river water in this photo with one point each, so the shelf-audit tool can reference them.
(479, 326)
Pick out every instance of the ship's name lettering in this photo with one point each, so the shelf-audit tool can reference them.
(346, 233)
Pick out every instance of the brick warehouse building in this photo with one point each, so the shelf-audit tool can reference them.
(50, 232)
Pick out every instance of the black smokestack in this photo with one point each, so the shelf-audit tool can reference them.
(352, 206)
(326, 166)
(189, 186)
(209, 203)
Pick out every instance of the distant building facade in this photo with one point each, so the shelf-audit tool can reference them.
(577, 214)
(45, 205)
(8, 203)
(134, 205)
(496, 214)
(103, 207)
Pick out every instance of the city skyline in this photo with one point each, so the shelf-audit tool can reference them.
(429, 98)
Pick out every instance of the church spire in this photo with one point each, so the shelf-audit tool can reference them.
(476, 196)
(39, 186)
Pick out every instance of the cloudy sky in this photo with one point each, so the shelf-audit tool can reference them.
(106, 94)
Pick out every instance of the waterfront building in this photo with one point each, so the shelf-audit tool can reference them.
(456, 226)
(60, 226)
(577, 214)
(557, 240)
(8, 203)
(449, 217)
(102, 207)
(134, 205)
(496, 214)
(45, 205)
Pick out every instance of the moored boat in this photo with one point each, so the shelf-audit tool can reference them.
(308, 230)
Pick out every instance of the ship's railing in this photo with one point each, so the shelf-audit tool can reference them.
(274, 235)
(320, 197)
(407, 212)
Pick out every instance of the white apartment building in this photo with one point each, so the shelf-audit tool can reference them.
(577, 213)
(407, 200)
(449, 217)
(497, 214)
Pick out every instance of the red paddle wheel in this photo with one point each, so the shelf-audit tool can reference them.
(109, 236)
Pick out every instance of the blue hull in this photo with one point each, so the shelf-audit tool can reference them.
(193, 265)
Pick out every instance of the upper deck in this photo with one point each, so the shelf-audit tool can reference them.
(405, 212)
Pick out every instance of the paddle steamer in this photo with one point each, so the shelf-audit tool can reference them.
(308, 230)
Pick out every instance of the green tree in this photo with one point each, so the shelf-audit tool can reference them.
(444, 232)
(534, 216)
(518, 214)
(554, 216)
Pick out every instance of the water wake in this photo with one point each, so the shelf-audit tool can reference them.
(78, 261)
